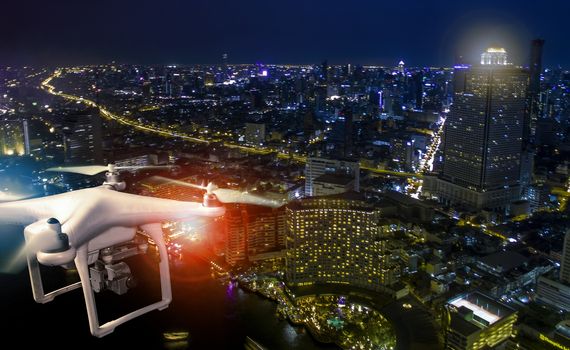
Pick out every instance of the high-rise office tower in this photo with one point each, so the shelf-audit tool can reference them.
(484, 136)
(348, 132)
(416, 90)
(309, 123)
(535, 67)
(236, 236)
(14, 137)
(401, 67)
(565, 263)
(325, 71)
(168, 85)
(82, 136)
(534, 104)
(252, 230)
(317, 166)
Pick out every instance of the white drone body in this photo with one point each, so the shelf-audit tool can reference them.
(77, 228)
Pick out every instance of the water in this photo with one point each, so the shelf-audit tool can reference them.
(216, 316)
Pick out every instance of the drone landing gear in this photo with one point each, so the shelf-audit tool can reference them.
(34, 268)
(81, 262)
(37, 286)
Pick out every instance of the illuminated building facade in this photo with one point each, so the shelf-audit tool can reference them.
(494, 56)
(484, 137)
(565, 263)
(535, 107)
(251, 231)
(336, 239)
(83, 141)
(265, 230)
(236, 237)
(475, 321)
(14, 138)
(556, 293)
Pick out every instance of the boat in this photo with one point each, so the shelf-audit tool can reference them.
(251, 344)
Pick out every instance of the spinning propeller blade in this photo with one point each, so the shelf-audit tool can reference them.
(84, 170)
(97, 169)
(226, 195)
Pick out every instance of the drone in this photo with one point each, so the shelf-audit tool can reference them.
(94, 229)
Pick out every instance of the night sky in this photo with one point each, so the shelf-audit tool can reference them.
(421, 32)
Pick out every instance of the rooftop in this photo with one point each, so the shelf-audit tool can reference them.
(335, 179)
(484, 310)
(496, 50)
(503, 261)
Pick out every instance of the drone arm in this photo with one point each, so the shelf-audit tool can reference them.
(234, 196)
(147, 210)
(21, 212)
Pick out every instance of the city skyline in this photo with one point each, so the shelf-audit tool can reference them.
(285, 175)
(200, 33)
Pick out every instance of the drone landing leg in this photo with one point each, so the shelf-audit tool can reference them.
(155, 231)
(36, 277)
(81, 262)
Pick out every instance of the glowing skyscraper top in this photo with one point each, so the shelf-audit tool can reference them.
(494, 56)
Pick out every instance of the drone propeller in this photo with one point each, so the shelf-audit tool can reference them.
(97, 169)
(225, 195)
(9, 197)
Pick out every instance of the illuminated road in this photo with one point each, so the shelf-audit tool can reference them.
(426, 163)
(301, 158)
(109, 115)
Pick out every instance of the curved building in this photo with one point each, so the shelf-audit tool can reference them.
(335, 239)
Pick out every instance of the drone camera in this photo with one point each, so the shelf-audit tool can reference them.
(109, 274)
(116, 277)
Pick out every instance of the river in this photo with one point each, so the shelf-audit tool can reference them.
(215, 316)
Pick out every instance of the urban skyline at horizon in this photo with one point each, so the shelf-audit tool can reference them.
(379, 176)
(471, 60)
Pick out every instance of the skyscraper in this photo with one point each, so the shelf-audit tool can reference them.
(309, 123)
(535, 67)
(348, 132)
(236, 237)
(494, 57)
(556, 292)
(565, 263)
(534, 104)
(14, 137)
(82, 137)
(317, 166)
(252, 230)
(325, 71)
(484, 136)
